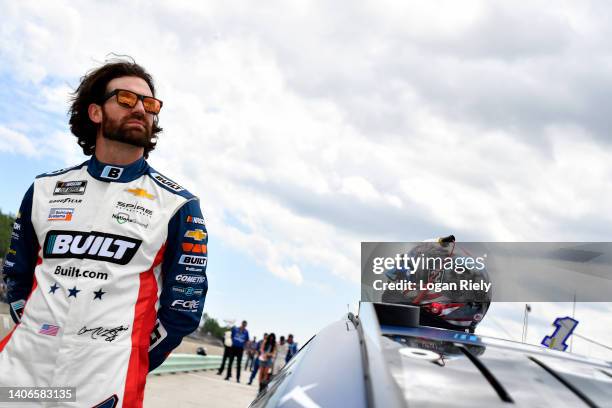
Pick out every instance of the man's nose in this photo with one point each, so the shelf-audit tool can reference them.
(139, 107)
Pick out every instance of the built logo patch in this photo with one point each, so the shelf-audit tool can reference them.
(90, 245)
(70, 187)
(167, 182)
(193, 260)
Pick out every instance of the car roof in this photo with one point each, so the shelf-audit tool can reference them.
(437, 367)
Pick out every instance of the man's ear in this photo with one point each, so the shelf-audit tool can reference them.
(95, 113)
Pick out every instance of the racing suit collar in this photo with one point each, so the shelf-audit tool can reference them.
(116, 173)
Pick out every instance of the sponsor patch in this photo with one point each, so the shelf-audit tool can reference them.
(187, 291)
(140, 192)
(110, 402)
(9, 264)
(193, 260)
(49, 329)
(66, 201)
(196, 235)
(158, 334)
(74, 272)
(50, 173)
(17, 309)
(189, 305)
(90, 245)
(192, 279)
(194, 248)
(18, 305)
(111, 172)
(195, 220)
(16, 226)
(167, 182)
(133, 208)
(70, 187)
(190, 269)
(60, 214)
(123, 218)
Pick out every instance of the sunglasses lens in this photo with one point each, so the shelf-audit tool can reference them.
(151, 105)
(127, 98)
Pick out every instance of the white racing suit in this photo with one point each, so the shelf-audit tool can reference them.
(106, 274)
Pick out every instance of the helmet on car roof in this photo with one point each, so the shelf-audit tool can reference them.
(437, 269)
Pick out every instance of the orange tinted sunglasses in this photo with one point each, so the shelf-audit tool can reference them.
(128, 99)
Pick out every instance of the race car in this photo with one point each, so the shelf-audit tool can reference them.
(384, 358)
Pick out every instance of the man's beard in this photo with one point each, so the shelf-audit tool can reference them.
(139, 137)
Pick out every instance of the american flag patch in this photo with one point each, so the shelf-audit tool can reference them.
(49, 329)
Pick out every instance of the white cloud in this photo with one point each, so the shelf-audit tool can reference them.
(338, 124)
(16, 142)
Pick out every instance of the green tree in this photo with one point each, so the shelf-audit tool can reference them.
(6, 226)
(213, 327)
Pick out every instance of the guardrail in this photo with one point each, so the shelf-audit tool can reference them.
(179, 363)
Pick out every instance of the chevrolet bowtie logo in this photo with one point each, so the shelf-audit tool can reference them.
(139, 192)
(197, 235)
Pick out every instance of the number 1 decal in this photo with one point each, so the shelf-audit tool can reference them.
(564, 328)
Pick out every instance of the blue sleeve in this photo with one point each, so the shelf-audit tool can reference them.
(184, 282)
(21, 258)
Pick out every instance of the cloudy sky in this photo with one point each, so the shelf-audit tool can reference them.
(307, 127)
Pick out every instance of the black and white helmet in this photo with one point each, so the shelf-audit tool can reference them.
(441, 261)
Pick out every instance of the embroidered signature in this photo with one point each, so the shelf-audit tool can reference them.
(107, 334)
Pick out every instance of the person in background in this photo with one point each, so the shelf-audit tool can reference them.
(250, 349)
(267, 353)
(227, 349)
(292, 348)
(279, 361)
(240, 335)
(256, 362)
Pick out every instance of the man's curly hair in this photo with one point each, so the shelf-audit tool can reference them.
(92, 90)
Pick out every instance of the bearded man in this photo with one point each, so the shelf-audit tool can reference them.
(107, 268)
